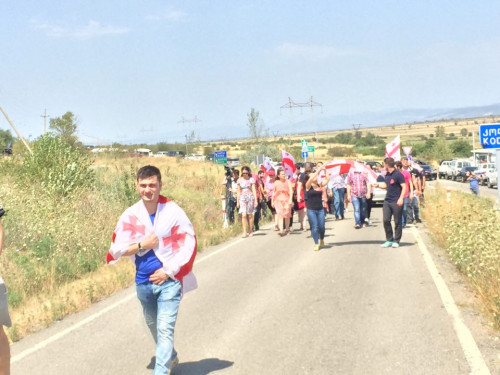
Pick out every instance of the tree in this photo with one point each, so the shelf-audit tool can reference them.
(65, 127)
(463, 132)
(461, 148)
(440, 132)
(6, 138)
(254, 124)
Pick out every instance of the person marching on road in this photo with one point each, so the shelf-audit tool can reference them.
(394, 182)
(316, 195)
(358, 191)
(4, 314)
(158, 236)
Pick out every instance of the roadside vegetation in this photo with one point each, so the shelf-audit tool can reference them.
(63, 202)
(61, 210)
(468, 229)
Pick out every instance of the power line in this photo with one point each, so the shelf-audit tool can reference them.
(291, 104)
(44, 120)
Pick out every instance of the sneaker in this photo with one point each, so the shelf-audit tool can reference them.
(173, 363)
(395, 245)
(368, 221)
(357, 226)
(387, 244)
(316, 247)
(321, 244)
(419, 221)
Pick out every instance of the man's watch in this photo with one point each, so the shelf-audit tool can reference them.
(140, 250)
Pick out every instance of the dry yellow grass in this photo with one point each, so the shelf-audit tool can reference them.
(195, 186)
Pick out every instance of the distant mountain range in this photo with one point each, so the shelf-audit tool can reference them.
(384, 118)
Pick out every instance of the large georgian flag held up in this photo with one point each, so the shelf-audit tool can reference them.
(393, 149)
(177, 240)
(288, 164)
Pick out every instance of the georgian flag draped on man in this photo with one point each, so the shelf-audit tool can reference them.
(176, 237)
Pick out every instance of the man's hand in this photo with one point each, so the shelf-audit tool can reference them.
(150, 242)
(368, 195)
(158, 277)
(400, 202)
(349, 198)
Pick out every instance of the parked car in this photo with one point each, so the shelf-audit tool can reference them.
(482, 169)
(492, 178)
(429, 172)
(464, 173)
(443, 169)
(455, 167)
(374, 164)
(233, 162)
(196, 157)
(420, 162)
(161, 153)
(378, 193)
(178, 153)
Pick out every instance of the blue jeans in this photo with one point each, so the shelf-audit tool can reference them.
(338, 202)
(413, 211)
(359, 205)
(317, 222)
(160, 305)
(404, 219)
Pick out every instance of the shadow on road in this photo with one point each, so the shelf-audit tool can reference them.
(203, 367)
(348, 243)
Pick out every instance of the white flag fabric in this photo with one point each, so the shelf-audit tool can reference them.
(393, 149)
(176, 238)
(288, 164)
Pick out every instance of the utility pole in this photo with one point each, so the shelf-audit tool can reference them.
(15, 129)
(44, 121)
(183, 120)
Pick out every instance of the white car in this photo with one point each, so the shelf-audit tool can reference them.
(491, 178)
(161, 153)
(443, 169)
(196, 157)
(482, 169)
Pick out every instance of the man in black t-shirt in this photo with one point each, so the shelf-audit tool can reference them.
(394, 182)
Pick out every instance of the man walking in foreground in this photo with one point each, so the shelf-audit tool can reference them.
(4, 314)
(393, 203)
(159, 238)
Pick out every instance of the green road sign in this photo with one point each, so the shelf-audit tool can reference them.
(310, 148)
(220, 157)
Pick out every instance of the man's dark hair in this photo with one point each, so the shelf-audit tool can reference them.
(399, 164)
(390, 162)
(148, 171)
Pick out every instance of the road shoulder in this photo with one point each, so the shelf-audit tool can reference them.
(467, 302)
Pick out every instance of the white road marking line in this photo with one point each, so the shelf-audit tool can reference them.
(127, 298)
(58, 335)
(469, 346)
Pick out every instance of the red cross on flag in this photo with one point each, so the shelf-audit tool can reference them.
(393, 149)
(176, 240)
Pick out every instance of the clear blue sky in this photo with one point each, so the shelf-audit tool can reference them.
(130, 70)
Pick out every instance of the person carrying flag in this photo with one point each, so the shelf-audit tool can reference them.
(160, 240)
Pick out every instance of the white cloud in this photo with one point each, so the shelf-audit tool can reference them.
(169, 15)
(92, 30)
(312, 52)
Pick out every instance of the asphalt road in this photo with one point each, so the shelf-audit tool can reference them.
(271, 305)
(484, 191)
